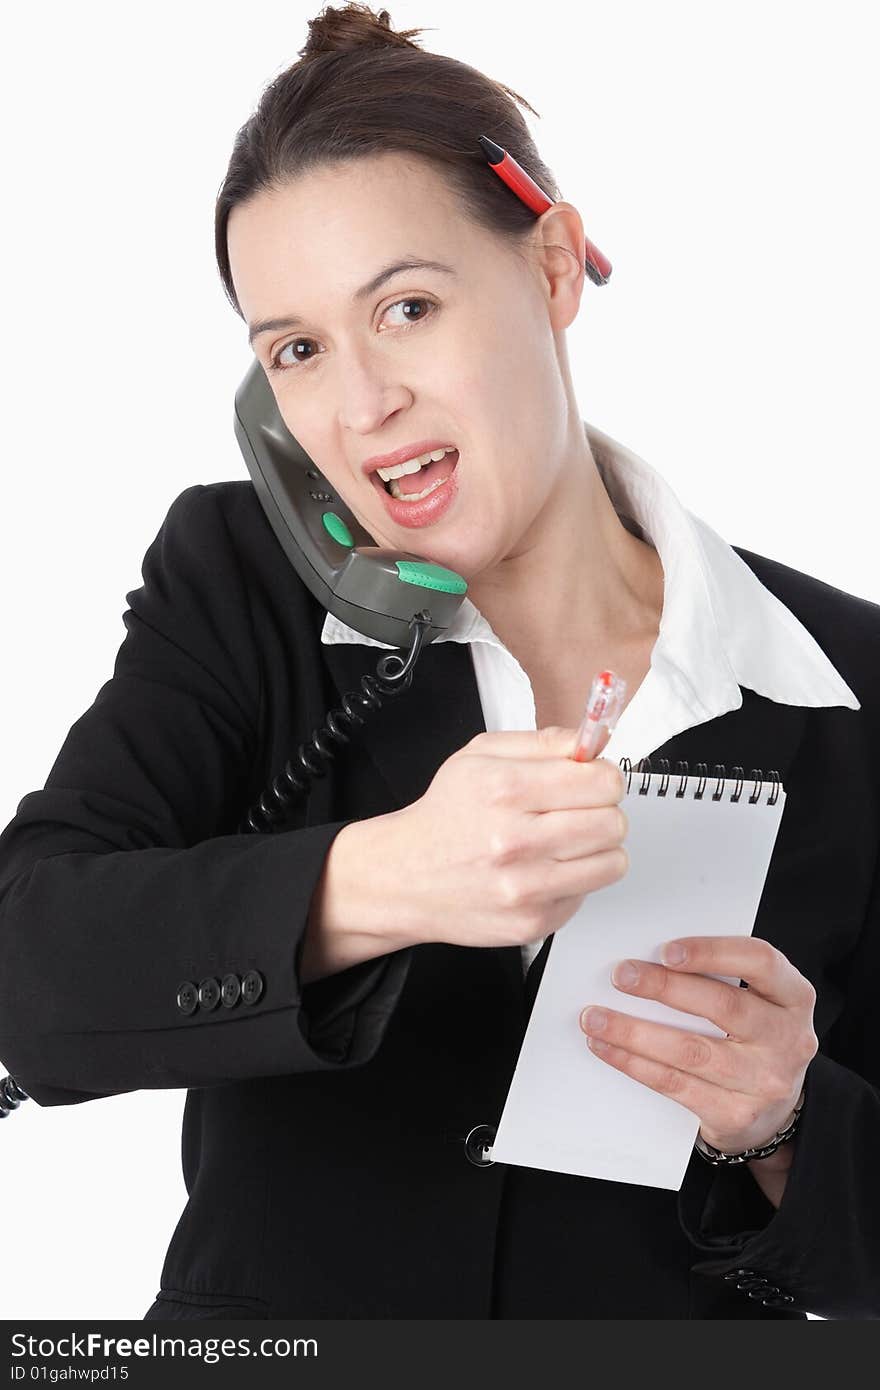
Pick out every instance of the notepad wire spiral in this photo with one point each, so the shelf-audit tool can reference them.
(719, 772)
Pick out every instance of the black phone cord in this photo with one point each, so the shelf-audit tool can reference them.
(270, 811)
(11, 1096)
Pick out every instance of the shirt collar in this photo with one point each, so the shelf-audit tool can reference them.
(720, 627)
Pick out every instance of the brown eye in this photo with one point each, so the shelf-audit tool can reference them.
(276, 363)
(411, 301)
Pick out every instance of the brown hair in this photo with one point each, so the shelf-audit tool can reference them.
(361, 88)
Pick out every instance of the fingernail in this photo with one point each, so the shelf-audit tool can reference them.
(592, 1020)
(674, 953)
(625, 974)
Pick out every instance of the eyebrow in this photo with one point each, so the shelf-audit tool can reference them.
(386, 273)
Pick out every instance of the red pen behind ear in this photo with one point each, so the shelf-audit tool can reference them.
(597, 266)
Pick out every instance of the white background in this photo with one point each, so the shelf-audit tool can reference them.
(721, 156)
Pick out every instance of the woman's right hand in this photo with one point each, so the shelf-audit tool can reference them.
(506, 842)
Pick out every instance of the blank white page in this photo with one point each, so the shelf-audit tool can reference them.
(696, 868)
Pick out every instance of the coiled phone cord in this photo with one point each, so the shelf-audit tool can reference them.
(291, 782)
(11, 1096)
(271, 809)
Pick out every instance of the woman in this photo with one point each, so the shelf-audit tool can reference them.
(346, 1059)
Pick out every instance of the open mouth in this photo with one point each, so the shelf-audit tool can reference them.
(413, 487)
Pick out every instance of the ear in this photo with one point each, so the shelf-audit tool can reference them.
(558, 254)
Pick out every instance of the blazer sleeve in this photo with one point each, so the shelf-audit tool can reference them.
(118, 885)
(821, 1246)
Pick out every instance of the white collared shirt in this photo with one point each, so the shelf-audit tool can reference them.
(720, 628)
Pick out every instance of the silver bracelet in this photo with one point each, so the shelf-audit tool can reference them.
(717, 1156)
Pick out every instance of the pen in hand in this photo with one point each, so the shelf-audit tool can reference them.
(604, 708)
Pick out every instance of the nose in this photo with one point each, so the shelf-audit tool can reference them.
(370, 395)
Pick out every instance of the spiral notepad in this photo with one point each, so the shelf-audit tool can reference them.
(699, 849)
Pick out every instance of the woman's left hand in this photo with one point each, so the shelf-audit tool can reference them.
(743, 1087)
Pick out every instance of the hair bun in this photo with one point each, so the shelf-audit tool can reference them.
(354, 26)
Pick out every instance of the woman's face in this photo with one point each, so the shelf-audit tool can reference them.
(473, 363)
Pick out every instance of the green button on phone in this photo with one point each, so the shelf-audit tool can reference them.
(337, 529)
(431, 576)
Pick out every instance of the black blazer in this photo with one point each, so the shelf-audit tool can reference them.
(324, 1127)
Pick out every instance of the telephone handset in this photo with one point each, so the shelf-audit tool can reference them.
(376, 591)
(391, 596)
